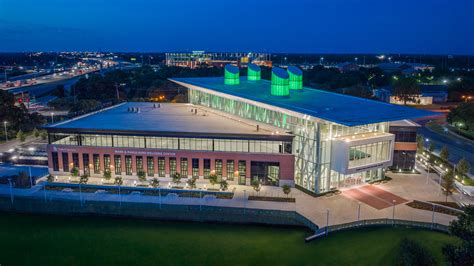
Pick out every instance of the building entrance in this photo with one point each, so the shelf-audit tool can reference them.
(267, 172)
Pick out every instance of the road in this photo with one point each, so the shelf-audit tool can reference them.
(458, 148)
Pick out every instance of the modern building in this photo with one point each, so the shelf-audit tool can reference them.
(430, 94)
(202, 58)
(251, 129)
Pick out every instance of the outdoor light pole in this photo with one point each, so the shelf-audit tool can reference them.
(159, 194)
(52, 118)
(44, 192)
(31, 178)
(393, 211)
(358, 214)
(6, 133)
(120, 197)
(80, 193)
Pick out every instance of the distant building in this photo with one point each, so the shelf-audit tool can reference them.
(347, 67)
(406, 69)
(429, 94)
(201, 58)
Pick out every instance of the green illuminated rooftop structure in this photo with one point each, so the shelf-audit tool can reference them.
(296, 78)
(280, 80)
(253, 72)
(231, 75)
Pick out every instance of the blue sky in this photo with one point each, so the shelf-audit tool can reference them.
(324, 26)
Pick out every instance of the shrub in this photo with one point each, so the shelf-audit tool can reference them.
(464, 229)
(224, 185)
(50, 178)
(412, 253)
(36, 132)
(448, 182)
(75, 171)
(213, 179)
(118, 181)
(107, 174)
(84, 179)
(256, 185)
(141, 176)
(176, 178)
(444, 153)
(20, 135)
(192, 183)
(44, 134)
(463, 167)
(155, 182)
(286, 189)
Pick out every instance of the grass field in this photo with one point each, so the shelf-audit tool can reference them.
(57, 240)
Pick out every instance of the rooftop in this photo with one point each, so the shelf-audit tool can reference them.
(337, 108)
(172, 119)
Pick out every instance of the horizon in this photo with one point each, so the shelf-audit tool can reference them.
(322, 27)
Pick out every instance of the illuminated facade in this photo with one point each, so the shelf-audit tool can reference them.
(295, 78)
(254, 72)
(280, 82)
(231, 75)
(328, 154)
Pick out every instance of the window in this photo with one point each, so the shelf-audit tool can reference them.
(54, 156)
(118, 164)
(195, 144)
(242, 170)
(184, 167)
(65, 161)
(107, 162)
(150, 166)
(161, 167)
(75, 160)
(369, 153)
(96, 163)
(172, 166)
(207, 168)
(139, 163)
(85, 161)
(195, 166)
(230, 169)
(219, 169)
(128, 165)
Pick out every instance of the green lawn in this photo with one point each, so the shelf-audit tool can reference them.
(51, 240)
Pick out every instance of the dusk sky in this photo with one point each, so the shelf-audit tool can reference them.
(324, 26)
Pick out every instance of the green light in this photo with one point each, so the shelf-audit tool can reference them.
(296, 78)
(279, 82)
(231, 75)
(253, 72)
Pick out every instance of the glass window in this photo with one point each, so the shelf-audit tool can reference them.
(195, 166)
(218, 169)
(118, 164)
(55, 159)
(107, 162)
(85, 161)
(207, 168)
(150, 164)
(230, 169)
(161, 167)
(369, 153)
(75, 160)
(128, 165)
(242, 171)
(139, 163)
(65, 161)
(96, 159)
(172, 166)
(184, 167)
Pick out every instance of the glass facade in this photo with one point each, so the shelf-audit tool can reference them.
(183, 165)
(128, 165)
(218, 169)
(172, 166)
(369, 153)
(161, 167)
(65, 161)
(230, 169)
(207, 168)
(312, 137)
(96, 159)
(150, 166)
(86, 162)
(107, 162)
(118, 164)
(168, 143)
(195, 167)
(55, 159)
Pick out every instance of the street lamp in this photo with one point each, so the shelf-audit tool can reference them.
(6, 134)
(52, 117)
(393, 211)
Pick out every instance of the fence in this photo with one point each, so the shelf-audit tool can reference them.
(375, 223)
(172, 212)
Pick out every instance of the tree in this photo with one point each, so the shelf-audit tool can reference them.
(75, 171)
(463, 227)
(155, 182)
(448, 183)
(224, 185)
(444, 154)
(192, 183)
(50, 178)
(431, 147)
(118, 181)
(36, 132)
(20, 135)
(463, 167)
(256, 185)
(406, 90)
(107, 174)
(176, 178)
(420, 142)
(84, 178)
(141, 175)
(286, 189)
(213, 179)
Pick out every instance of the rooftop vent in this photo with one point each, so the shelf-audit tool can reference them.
(254, 72)
(296, 78)
(280, 82)
(231, 75)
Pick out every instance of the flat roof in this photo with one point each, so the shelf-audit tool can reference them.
(171, 119)
(338, 108)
